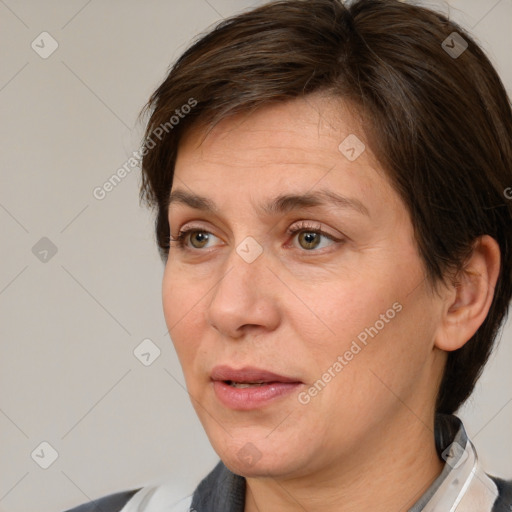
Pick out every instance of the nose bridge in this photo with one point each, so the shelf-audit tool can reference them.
(243, 295)
(245, 266)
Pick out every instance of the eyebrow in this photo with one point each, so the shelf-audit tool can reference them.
(279, 205)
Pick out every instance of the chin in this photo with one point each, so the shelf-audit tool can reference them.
(260, 469)
(252, 460)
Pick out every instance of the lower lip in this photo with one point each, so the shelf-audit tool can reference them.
(243, 399)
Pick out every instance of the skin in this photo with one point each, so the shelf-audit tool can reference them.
(365, 442)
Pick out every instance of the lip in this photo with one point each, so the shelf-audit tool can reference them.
(247, 374)
(275, 386)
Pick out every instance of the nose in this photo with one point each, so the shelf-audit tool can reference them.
(245, 299)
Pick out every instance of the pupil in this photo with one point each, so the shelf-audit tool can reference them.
(310, 238)
(201, 237)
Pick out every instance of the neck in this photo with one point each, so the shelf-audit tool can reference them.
(389, 473)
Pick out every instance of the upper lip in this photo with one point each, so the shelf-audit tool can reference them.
(247, 374)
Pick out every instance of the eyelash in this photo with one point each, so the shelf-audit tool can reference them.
(303, 227)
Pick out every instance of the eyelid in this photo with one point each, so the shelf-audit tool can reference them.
(313, 226)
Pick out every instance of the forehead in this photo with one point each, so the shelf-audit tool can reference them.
(295, 146)
(306, 126)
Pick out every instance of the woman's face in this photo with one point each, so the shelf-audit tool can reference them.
(328, 332)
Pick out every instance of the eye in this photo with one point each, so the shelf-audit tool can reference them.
(199, 238)
(310, 236)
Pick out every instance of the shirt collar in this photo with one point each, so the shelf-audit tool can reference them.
(462, 484)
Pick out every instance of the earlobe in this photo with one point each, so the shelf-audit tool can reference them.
(470, 296)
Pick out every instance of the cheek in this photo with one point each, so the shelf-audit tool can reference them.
(181, 301)
(340, 312)
(385, 360)
(372, 323)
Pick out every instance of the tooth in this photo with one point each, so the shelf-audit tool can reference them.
(246, 384)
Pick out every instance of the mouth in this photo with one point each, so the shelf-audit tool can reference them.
(248, 376)
(249, 387)
(242, 385)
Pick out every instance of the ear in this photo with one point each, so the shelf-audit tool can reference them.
(469, 298)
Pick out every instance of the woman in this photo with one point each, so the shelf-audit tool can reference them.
(330, 186)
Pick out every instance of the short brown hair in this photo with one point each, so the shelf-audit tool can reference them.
(440, 124)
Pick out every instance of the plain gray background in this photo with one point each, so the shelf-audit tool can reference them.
(70, 321)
